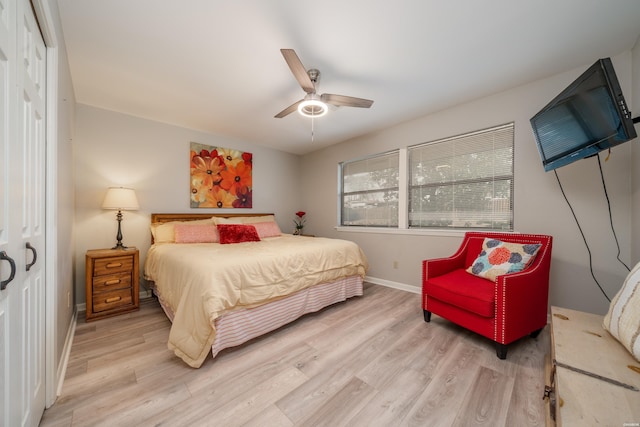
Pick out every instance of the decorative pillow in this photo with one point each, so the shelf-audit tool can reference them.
(196, 233)
(237, 233)
(244, 219)
(165, 233)
(267, 229)
(623, 318)
(498, 258)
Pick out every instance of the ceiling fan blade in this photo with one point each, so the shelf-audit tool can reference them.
(290, 109)
(298, 70)
(346, 101)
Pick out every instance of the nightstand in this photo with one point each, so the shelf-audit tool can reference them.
(112, 282)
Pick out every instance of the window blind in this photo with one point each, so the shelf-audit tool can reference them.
(464, 181)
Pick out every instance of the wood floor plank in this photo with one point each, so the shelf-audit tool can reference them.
(526, 397)
(371, 361)
(131, 406)
(393, 401)
(270, 416)
(487, 400)
(443, 397)
(342, 406)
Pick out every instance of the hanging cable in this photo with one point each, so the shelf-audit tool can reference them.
(606, 195)
(583, 237)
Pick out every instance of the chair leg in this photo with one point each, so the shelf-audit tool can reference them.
(501, 351)
(535, 334)
(427, 316)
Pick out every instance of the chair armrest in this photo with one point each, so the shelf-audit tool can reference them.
(522, 302)
(439, 266)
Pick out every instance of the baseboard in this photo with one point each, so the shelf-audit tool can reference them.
(66, 352)
(394, 285)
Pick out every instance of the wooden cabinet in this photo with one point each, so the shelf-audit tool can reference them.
(112, 281)
(592, 379)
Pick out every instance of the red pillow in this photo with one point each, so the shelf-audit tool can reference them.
(237, 233)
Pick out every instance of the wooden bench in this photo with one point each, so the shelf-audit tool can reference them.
(591, 378)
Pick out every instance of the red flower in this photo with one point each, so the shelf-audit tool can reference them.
(236, 177)
(299, 222)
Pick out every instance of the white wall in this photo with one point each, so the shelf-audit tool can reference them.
(60, 204)
(114, 149)
(65, 215)
(539, 205)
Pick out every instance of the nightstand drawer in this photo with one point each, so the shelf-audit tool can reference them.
(112, 265)
(111, 282)
(110, 300)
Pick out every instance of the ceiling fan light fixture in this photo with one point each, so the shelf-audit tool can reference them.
(312, 107)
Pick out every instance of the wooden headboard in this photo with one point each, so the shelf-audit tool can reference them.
(160, 218)
(168, 217)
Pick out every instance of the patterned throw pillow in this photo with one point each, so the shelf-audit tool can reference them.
(196, 233)
(498, 258)
(623, 318)
(165, 232)
(237, 233)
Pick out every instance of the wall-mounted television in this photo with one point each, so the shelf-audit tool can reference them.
(589, 116)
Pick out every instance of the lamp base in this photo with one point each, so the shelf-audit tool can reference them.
(119, 245)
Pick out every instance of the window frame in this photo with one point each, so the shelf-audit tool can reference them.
(342, 194)
(404, 193)
(471, 220)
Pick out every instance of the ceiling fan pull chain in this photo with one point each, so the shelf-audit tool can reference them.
(312, 133)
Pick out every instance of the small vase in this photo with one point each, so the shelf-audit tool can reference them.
(297, 232)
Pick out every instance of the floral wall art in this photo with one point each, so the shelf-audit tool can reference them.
(220, 177)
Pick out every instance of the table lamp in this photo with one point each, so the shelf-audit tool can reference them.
(122, 199)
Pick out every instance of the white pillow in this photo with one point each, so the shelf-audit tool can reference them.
(623, 318)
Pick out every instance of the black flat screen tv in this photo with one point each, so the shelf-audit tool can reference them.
(589, 116)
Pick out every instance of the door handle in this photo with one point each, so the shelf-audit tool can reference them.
(5, 257)
(35, 255)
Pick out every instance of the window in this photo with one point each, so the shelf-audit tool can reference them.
(369, 193)
(463, 182)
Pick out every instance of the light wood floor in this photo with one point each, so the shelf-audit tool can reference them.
(371, 361)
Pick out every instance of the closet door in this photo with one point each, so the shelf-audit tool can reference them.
(22, 214)
(7, 133)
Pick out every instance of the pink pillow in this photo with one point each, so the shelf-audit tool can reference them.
(267, 229)
(196, 233)
(237, 233)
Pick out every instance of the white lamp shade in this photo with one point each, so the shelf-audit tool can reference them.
(120, 198)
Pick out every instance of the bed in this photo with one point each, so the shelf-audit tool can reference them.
(225, 279)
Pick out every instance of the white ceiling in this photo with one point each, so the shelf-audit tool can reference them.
(215, 65)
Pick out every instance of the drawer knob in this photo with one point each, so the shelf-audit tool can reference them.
(114, 299)
(114, 264)
(112, 282)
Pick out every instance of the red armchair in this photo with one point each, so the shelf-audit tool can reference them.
(503, 310)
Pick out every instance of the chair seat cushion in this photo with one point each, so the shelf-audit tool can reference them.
(464, 290)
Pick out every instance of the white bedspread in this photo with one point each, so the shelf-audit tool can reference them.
(202, 281)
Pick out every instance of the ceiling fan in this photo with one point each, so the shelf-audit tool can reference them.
(314, 105)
